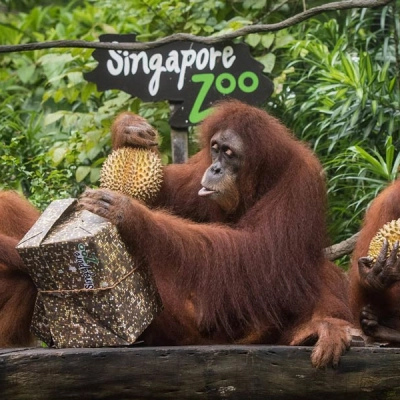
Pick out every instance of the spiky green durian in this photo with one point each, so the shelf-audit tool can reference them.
(134, 172)
(389, 231)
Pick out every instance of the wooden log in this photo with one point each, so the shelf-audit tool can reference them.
(196, 372)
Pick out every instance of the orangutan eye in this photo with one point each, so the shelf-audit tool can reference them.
(215, 147)
(229, 152)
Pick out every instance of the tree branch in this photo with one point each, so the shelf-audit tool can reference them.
(257, 28)
(341, 249)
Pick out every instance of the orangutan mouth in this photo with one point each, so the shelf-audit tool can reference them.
(206, 192)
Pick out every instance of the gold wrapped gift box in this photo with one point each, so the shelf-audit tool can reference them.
(91, 291)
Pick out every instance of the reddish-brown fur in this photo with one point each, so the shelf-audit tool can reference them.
(17, 291)
(255, 276)
(267, 243)
(385, 208)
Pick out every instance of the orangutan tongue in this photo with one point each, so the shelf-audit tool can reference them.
(205, 192)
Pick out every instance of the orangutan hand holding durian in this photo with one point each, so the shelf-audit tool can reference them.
(133, 168)
(391, 232)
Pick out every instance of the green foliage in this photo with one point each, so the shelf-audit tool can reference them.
(24, 165)
(340, 93)
(359, 175)
(336, 86)
(384, 168)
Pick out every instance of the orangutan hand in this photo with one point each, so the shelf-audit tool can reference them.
(332, 337)
(380, 329)
(109, 204)
(131, 130)
(384, 272)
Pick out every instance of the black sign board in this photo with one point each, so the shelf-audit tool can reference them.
(189, 75)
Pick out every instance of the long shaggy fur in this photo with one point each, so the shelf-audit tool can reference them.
(17, 291)
(256, 273)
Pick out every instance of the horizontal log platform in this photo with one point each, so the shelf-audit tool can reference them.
(196, 372)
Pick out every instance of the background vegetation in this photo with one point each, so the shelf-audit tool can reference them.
(336, 86)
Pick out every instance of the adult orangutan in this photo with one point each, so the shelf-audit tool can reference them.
(375, 286)
(235, 238)
(17, 292)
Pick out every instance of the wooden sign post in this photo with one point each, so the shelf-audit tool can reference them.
(179, 143)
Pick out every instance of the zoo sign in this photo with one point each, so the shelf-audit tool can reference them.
(192, 76)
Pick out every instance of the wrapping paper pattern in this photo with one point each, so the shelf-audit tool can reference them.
(91, 291)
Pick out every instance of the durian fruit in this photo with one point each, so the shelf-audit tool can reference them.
(134, 172)
(390, 232)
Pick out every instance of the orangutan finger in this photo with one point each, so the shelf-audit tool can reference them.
(381, 259)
